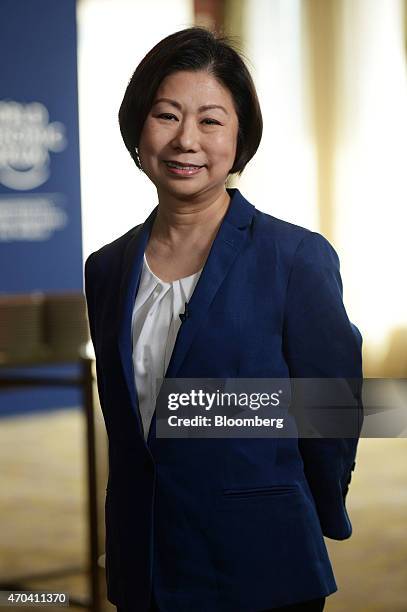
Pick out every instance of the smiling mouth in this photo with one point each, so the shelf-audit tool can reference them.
(181, 166)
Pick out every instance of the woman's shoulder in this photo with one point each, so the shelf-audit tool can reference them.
(276, 231)
(279, 227)
(291, 240)
(112, 251)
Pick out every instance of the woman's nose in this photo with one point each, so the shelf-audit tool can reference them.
(187, 135)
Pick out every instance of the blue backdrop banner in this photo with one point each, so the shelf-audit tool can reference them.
(40, 215)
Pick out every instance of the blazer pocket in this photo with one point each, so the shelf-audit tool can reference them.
(277, 489)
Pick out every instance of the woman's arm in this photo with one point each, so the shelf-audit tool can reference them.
(321, 342)
(90, 279)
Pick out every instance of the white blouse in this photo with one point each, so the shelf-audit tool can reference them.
(155, 324)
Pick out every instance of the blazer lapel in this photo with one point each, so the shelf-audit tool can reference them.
(130, 280)
(228, 242)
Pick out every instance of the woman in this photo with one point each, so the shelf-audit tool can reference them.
(210, 287)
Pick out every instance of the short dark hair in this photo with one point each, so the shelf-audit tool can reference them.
(195, 48)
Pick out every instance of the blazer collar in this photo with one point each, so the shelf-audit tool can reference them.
(225, 248)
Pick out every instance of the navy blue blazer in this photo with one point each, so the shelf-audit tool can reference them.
(225, 525)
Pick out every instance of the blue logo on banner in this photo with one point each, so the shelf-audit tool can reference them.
(40, 214)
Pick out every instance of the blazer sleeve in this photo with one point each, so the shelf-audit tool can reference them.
(320, 342)
(90, 280)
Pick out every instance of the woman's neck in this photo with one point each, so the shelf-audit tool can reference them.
(179, 224)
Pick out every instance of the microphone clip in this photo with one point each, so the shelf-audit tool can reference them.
(184, 315)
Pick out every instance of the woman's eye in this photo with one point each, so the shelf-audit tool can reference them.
(212, 122)
(166, 116)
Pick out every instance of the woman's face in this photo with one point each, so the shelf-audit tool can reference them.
(181, 129)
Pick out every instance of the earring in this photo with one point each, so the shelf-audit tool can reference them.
(137, 156)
